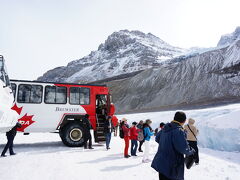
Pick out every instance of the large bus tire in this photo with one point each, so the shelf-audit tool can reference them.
(72, 135)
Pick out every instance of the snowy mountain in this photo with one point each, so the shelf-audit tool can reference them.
(208, 77)
(179, 78)
(228, 39)
(123, 52)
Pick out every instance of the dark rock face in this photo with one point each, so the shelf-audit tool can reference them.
(123, 52)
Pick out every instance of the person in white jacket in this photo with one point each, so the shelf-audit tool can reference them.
(192, 133)
(147, 131)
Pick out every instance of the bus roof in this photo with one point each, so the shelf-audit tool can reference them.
(28, 81)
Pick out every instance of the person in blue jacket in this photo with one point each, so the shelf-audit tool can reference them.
(147, 131)
(169, 160)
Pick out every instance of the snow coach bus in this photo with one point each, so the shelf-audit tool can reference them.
(8, 117)
(60, 107)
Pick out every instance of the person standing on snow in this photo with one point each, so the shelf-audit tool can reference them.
(134, 139)
(108, 129)
(114, 118)
(10, 137)
(140, 135)
(87, 132)
(192, 133)
(162, 124)
(147, 131)
(169, 160)
(126, 132)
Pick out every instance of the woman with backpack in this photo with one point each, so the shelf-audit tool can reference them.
(147, 131)
(140, 135)
(126, 136)
(192, 133)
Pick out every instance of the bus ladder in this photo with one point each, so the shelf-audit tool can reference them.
(99, 135)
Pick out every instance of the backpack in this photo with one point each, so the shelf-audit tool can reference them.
(121, 134)
(140, 136)
(189, 161)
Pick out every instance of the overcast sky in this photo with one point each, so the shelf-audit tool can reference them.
(37, 35)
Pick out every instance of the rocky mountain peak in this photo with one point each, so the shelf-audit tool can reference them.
(122, 52)
(228, 39)
(123, 38)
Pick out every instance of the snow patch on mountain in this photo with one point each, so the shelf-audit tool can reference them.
(228, 39)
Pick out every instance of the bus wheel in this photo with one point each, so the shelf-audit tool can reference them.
(72, 135)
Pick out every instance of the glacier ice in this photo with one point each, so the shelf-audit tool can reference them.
(219, 126)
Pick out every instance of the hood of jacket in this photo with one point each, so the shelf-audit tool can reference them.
(170, 126)
(191, 121)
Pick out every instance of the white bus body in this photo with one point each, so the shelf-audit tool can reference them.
(60, 107)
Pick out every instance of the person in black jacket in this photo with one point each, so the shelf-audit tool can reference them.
(108, 129)
(87, 134)
(162, 124)
(173, 145)
(10, 137)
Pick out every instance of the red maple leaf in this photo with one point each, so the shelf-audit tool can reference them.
(17, 109)
(25, 122)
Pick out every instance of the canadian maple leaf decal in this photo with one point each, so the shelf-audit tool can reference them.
(25, 121)
(17, 109)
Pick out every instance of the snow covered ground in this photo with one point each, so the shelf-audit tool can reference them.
(42, 156)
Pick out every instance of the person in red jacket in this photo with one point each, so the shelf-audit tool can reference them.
(126, 132)
(134, 139)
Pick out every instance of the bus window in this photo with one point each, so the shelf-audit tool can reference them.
(79, 95)
(55, 95)
(101, 100)
(29, 93)
(14, 87)
(101, 104)
(24, 92)
(36, 94)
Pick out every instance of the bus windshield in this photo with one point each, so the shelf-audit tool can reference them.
(3, 72)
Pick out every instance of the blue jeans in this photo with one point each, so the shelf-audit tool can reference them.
(108, 139)
(134, 145)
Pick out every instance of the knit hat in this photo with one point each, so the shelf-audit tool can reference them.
(124, 119)
(148, 121)
(180, 117)
(191, 121)
(134, 123)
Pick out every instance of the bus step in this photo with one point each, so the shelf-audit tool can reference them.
(100, 134)
(101, 139)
